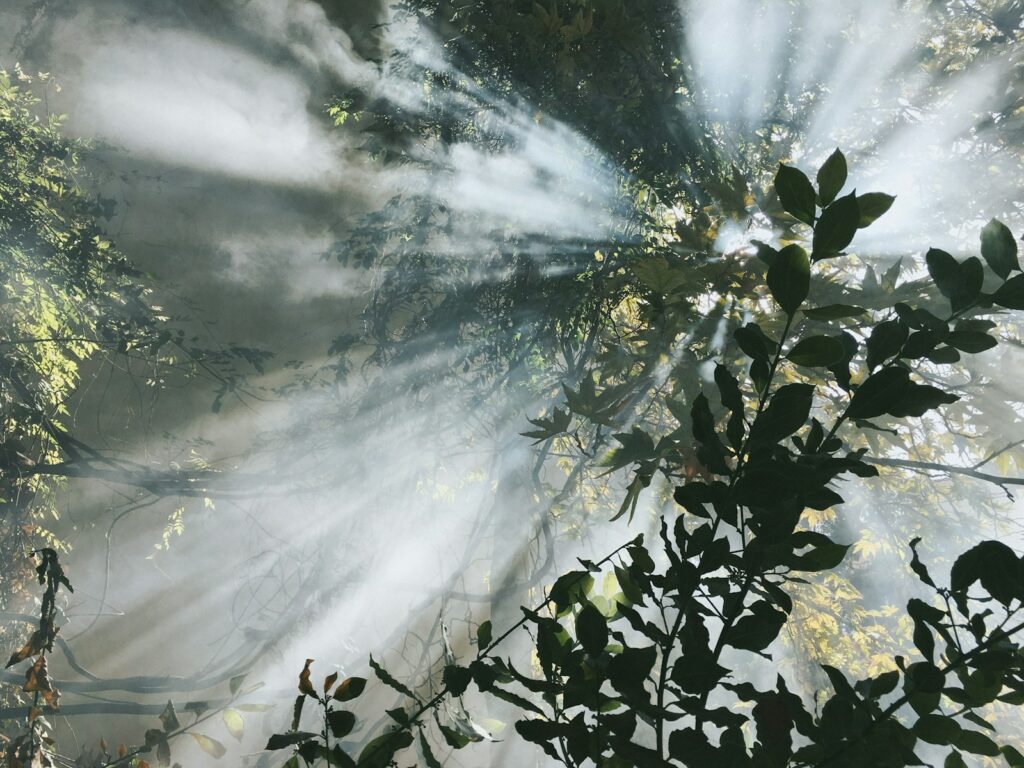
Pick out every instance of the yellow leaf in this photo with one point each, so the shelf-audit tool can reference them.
(235, 724)
(210, 746)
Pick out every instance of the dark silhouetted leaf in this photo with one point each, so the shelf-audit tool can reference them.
(796, 193)
(349, 688)
(381, 750)
(971, 342)
(880, 392)
(977, 743)
(817, 351)
(283, 740)
(457, 679)
(483, 635)
(885, 341)
(591, 630)
(937, 729)
(789, 278)
(836, 227)
(385, 677)
(872, 205)
(999, 249)
(787, 411)
(1011, 293)
(341, 722)
(831, 178)
(833, 312)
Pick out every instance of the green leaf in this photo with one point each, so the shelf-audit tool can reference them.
(959, 282)
(796, 193)
(789, 278)
(970, 278)
(995, 565)
(787, 411)
(630, 590)
(548, 428)
(919, 568)
(399, 715)
(483, 635)
(453, 738)
(836, 227)
(943, 269)
(457, 679)
(381, 750)
(758, 630)
(817, 351)
(628, 670)
(569, 588)
(918, 399)
(1011, 293)
(728, 389)
(971, 342)
(977, 743)
(341, 722)
(428, 755)
(879, 392)
(999, 249)
(350, 688)
(872, 206)
(385, 677)
(283, 740)
(591, 630)
(831, 178)
(833, 312)
(886, 340)
(937, 729)
(1013, 758)
(824, 554)
(753, 342)
(235, 683)
(884, 684)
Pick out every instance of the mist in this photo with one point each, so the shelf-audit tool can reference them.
(391, 501)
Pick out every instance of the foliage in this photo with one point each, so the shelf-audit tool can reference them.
(664, 670)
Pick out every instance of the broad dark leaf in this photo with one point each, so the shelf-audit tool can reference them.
(796, 193)
(591, 630)
(816, 352)
(885, 341)
(831, 178)
(787, 411)
(341, 722)
(999, 249)
(789, 278)
(1011, 293)
(879, 393)
(349, 688)
(872, 205)
(836, 227)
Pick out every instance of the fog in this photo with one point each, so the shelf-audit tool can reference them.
(383, 509)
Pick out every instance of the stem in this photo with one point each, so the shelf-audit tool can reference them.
(666, 650)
